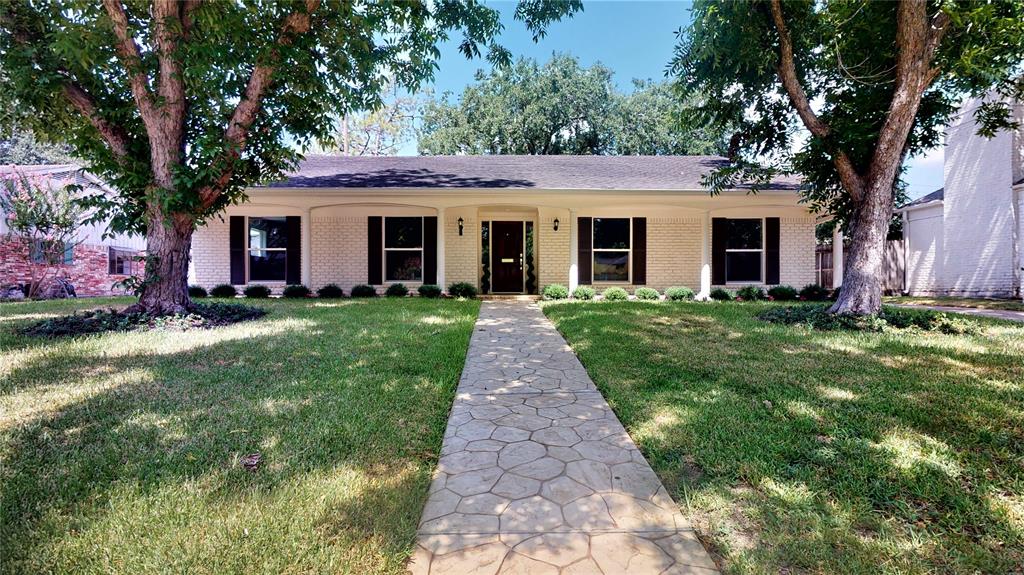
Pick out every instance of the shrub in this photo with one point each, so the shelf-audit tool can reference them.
(429, 290)
(462, 289)
(817, 317)
(396, 290)
(679, 293)
(646, 293)
(197, 291)
(584, 293)
(296, 291)
(721, 294)
(555, 291)
(257, 291)
(363, 290)
(615, 294)
(330, 291)
(205, 315)
(783, 293)
(750, 293)
(224, 290)
(814, 292)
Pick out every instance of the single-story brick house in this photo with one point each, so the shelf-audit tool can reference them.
(96, 261)
(508, 224)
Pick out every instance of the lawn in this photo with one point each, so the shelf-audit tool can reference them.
(795, 451)
(979, 303)
(121, 453)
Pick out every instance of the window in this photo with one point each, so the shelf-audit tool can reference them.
(744, 250)
(268, 249)
(42, 250)
(121, 261)
(611, 249)
(403, 249)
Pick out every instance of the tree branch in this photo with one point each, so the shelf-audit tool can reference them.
(131, 58)
(786, 69)
(116, 137)
(248, 107)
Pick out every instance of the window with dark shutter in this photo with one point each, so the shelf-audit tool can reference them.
(375, 255)
(639, 251)
(430, 250)
(719, 232)
(236, 245)
(584, 249)
(293, 261)
(771, 250)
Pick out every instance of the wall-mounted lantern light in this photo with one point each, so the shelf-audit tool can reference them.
(461, 224)
(556, 224)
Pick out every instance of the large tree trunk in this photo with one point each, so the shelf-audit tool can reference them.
(168, 243)
(861, 293)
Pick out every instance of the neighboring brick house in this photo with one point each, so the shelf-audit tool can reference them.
(967, 238)
(631, 221)
(94, 263)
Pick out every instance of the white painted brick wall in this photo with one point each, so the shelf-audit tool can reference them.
(339, 246)
(462, 253)
(211, 255)
(673, 252)
(553, 249)
(796, 251)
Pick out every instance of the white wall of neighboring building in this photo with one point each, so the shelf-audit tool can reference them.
(924, 248)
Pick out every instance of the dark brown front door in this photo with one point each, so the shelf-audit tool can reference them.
(507, 257)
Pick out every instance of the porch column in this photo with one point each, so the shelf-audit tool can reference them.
(574, 255)
(440, 247)
(705, 258)
(305, 249)
(837, 256)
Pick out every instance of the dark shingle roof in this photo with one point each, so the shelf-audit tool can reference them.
(512, 172)
(936, 195)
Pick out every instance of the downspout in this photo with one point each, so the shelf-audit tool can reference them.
(906, 252)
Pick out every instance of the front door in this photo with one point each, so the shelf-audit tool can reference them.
(507, 257)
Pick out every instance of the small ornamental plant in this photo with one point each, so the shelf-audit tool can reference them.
(584, 293)
(814, 292)
(363, 290)
(429, 290)
(462, 289)
(555, 291)
(330, 291)
(783, 293)
(615, 294)
(224, 290)
(721, 294)
(196, 292)
(647, 294)
(396, 290)
(679, 293)
(296, 291)
(257, 291)
(750, 293)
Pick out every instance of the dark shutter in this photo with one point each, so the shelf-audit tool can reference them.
(430, 250)
(375, 254)
(585, 256)
(111, 261)
(236, 242)
(771, 251)
(293, 259)
(639, 251)
(719, 231)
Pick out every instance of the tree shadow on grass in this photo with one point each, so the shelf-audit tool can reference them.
(864, 452)
(134, 464)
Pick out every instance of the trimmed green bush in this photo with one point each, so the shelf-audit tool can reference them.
(203, 316)
(363, 290)
(817, 317)
(814, 292)
(462, 289)
(196, 291)
(555, 291)
(615, 294)
(721, 294)
(257, 291)
(330, 291)
(296, 291)
(647, 294)
(783, 293)
(429, 290)
(679, 293)
(224, 290)
(750, 293)
(584, 293)
(396, 290)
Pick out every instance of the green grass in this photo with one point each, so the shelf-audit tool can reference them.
(979, 303)
(119, 453)
(820, 452)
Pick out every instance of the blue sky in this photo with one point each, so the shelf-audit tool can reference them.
(633, 38)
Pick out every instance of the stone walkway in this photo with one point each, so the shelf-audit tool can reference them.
(537, 475)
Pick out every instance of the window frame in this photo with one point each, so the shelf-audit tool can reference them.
(385, 249)
(761, 250)
(594, 250)
(249, 248)
(36, 253)
(129, 255)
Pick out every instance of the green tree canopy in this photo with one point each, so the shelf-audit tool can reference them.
(23, 148)
(560, 107)
(868, 84)
(182, 104)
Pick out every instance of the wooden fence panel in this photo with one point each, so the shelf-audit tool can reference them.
(893, 265)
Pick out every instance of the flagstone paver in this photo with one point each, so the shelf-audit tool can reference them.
(536, 473)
